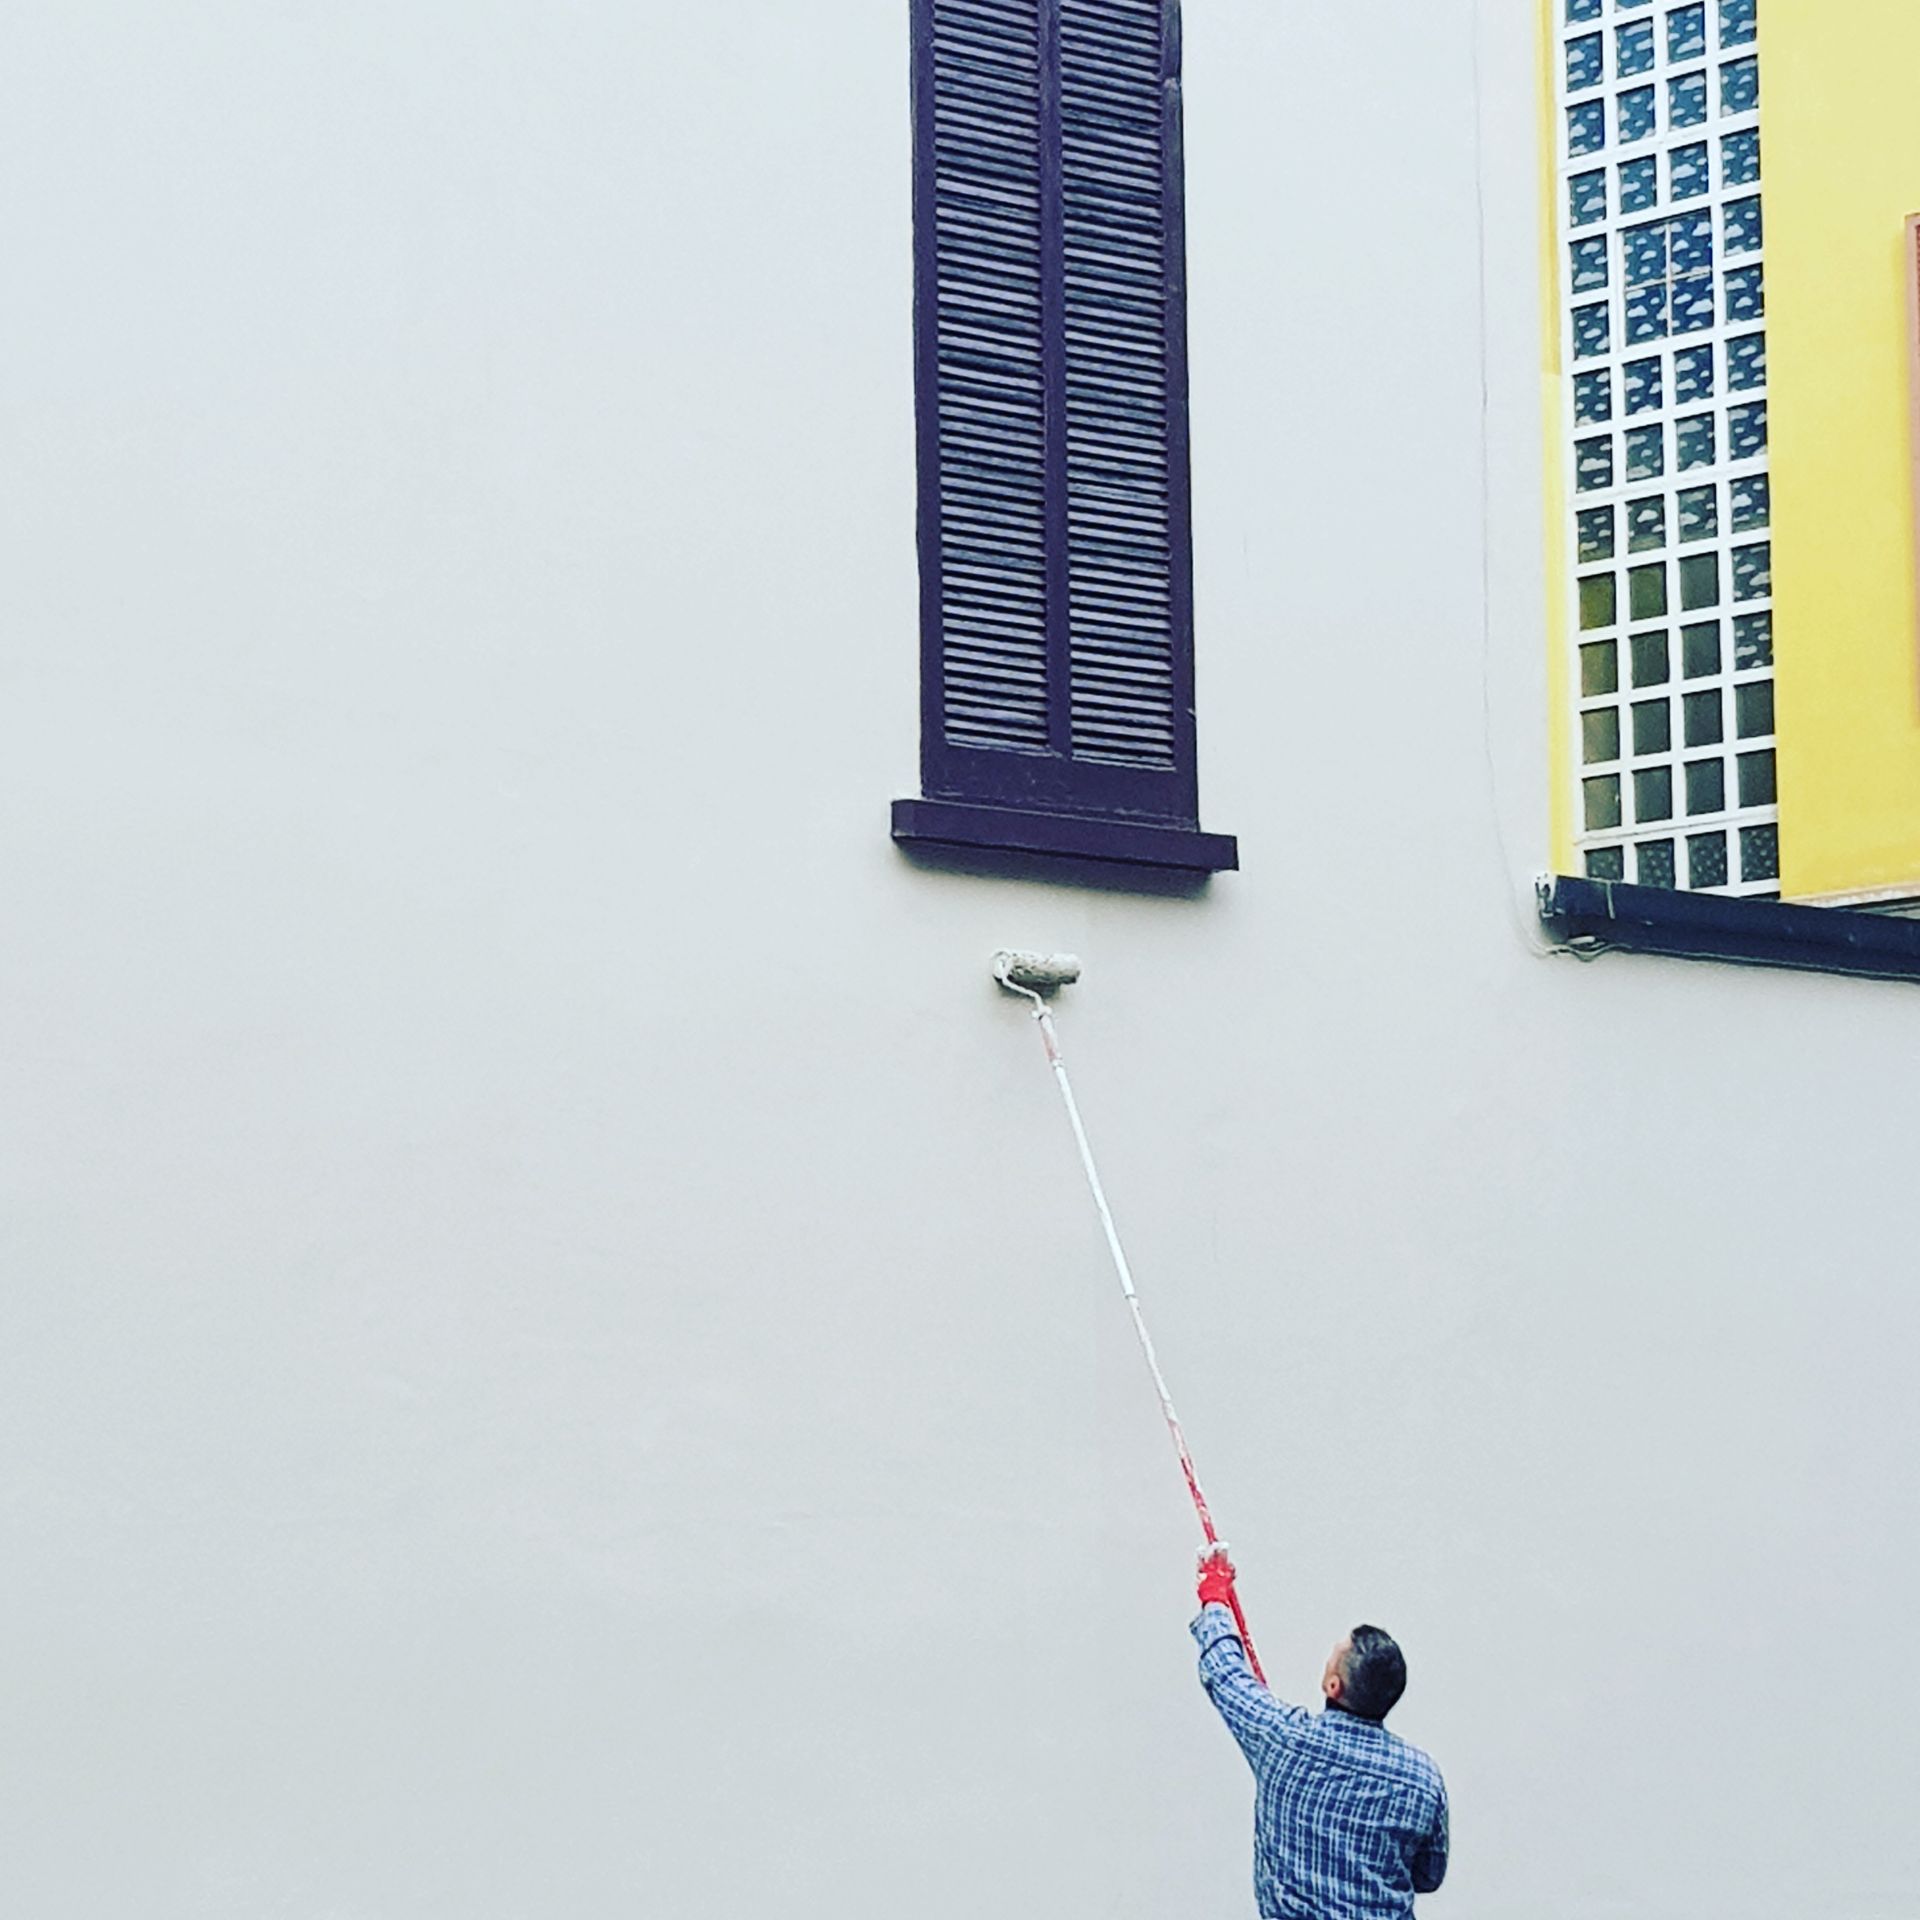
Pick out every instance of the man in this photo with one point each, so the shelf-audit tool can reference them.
(1350, 1822)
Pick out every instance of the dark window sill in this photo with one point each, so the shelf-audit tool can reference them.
(1127, 843)
(1595, 916)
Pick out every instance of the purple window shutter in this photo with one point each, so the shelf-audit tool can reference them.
(1055, 538)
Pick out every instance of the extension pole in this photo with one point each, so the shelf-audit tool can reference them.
(1050, 1039)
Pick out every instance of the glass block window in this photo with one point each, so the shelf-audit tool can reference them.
(1662, 264)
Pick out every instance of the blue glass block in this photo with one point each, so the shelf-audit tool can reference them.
(1643, 254)
(1689, 171)
(1607, 863)
(1639, 185)
(1740, 158)
(1693, 442)
(1586, 62)
(1706, 860)
(1747, 361)
(1587, 198)
(1644, 384)
(1693, 303)
(1747, 431)
(1736, 22)
(1752, 642)
(1653, 859)
(1746, 294)
(1635, 112)
(1589, 264)
(1686, 100)
(1646, 313)
(1633, 49)
(1759, 853)
(1753, 571)
(1578, 10)
(1587, 127)
(1699, 513)
(1743, 225)
(1593, 464)
(1647, 523)
(1692, 239)
(1592, 398)
(1592, 332)
(1692, 375)
(1686, 33)
(1740, 86)
(1595, 530)
(1750, 499)
(1646, 453)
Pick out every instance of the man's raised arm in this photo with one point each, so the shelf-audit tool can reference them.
(1253, 1716)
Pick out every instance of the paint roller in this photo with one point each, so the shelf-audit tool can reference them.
(1036, 976)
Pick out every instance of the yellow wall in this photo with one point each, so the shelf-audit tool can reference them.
(1840, 138)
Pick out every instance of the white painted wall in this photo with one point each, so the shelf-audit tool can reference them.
(552, 1361)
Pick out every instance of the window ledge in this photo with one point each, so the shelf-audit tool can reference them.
(1134, 843)
(1597, 916)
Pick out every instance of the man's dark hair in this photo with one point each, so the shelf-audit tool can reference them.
(1375, 1674)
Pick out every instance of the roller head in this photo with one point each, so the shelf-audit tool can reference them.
(1036, 972)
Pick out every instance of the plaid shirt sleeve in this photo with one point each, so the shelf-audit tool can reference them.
(1429, 1865)
(1253, 1716)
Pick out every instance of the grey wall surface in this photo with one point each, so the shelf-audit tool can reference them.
(553, 1359)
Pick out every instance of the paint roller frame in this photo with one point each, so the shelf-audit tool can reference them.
(1036, 977)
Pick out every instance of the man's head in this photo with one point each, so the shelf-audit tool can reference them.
(1366, 1673)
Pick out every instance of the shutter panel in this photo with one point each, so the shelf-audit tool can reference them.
(1049, 302)
(1119, 511)
(992, 428)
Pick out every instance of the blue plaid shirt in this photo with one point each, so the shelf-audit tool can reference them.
(1349, 1821)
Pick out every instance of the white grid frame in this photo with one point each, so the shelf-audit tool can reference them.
(1673, 752)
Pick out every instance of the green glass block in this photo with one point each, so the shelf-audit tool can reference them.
(1651, 666)
(1653, 794)
(1706, 786)
(1753, 709)
(1700, 649)
(1701, 719)
(1647, 592)
(1699, 581)
(1599, 668)
(1600, 736)
(1607, 863)
(1599, 601)
(1602, 801)
(1758, 786)
(1652, 726)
